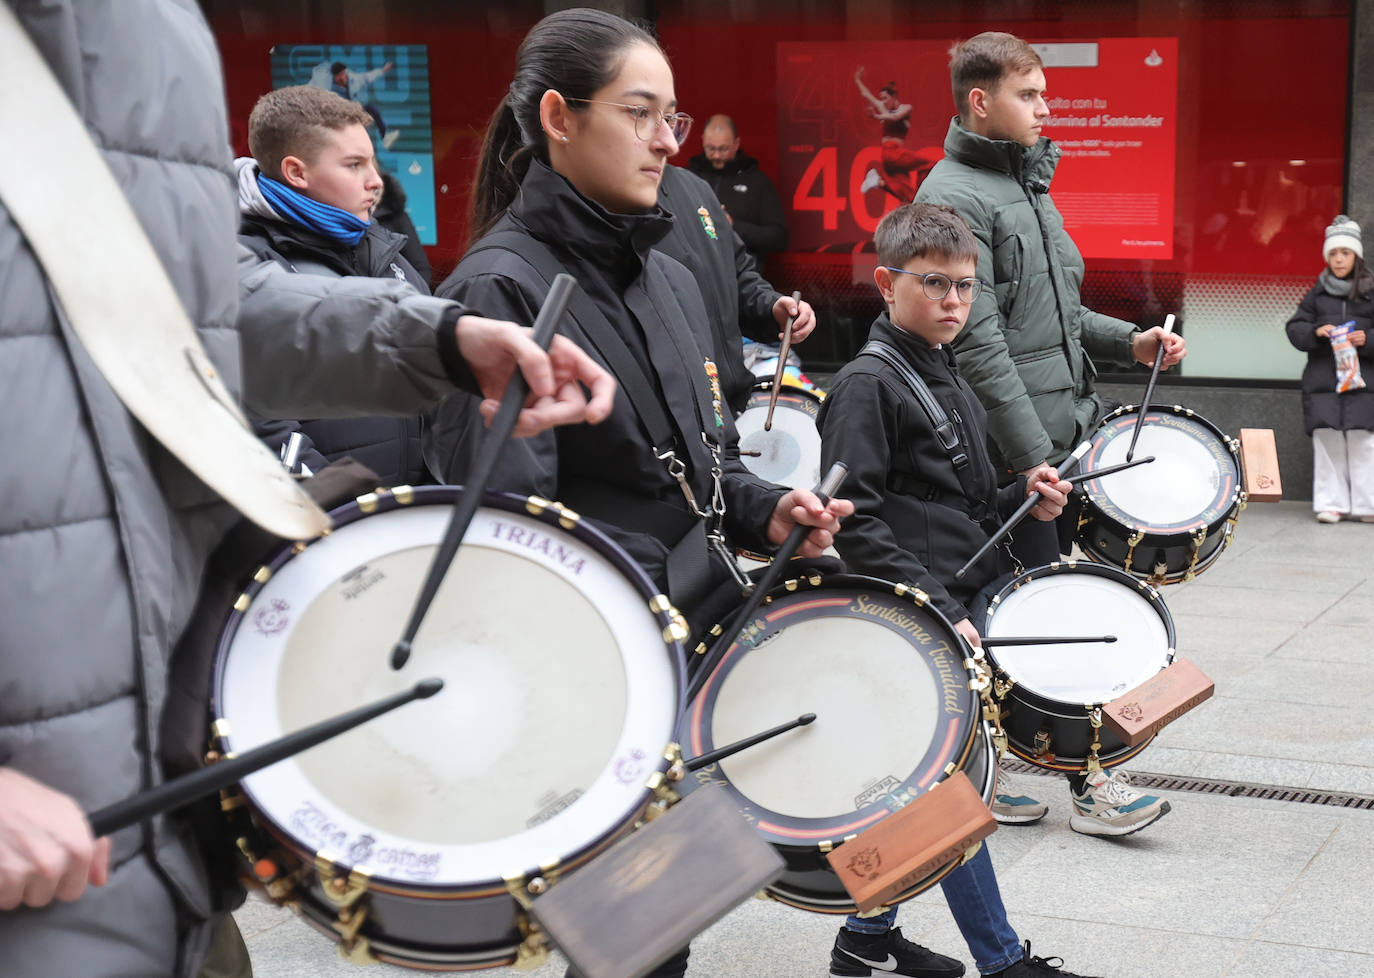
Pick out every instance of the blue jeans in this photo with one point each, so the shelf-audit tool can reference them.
(976, 905)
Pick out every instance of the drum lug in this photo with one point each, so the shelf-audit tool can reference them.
(1095, 721)
(1198, 539)
(1043, 743)
(341, 890)
(353, 948)
(1133, 540)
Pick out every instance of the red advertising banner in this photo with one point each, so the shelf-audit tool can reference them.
(862, 122)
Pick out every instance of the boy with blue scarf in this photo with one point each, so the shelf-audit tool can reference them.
(306, 198)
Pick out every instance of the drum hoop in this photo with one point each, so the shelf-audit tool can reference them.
(1226, 501)
(532, 507)
(959, 741)
(761, 391)
(1108, 571)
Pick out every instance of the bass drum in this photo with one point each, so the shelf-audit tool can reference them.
(1167, 521)
(1052, 694)
(789, 453)
(888, 681)
(409, 838)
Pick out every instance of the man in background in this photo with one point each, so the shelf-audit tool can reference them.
(750, 200)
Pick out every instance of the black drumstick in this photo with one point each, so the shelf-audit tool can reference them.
(517, 389)
(997, 640)
(720, 753)
(1150, 387)
(1108, 470)
(827, 488)
(187, 788)
(1069, 465)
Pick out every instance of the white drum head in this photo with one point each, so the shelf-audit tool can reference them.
(1070, 603)
(876, 712)
(790, 451)
(1188, 484)
(559, 696)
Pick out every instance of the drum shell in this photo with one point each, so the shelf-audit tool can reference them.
(808, 883)
(448, 926)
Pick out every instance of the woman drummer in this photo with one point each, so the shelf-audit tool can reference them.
(568, 178)
(568, 182)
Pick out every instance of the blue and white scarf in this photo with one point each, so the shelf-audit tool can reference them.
(332, 222)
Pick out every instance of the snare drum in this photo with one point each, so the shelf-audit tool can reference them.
(888, 682)
(790, 452)
(1052, 694)
(1169, 520)
(415, 838)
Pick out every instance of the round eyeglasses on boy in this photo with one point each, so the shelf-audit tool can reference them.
(936, 285)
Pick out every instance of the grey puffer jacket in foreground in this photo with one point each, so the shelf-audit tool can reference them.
(104, 535)
(1026, 348)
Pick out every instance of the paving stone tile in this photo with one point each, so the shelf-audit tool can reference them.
(1304, 917)
(1294, 731)
(1347, 684)
(1265, 959)
(1322, 642)
(1259, 600)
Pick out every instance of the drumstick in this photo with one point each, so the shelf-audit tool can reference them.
(517, 389)
(1069, 465)
(782, 362)
(997, 640)
(1108, 470)
(1150, 386)
(827, 488)
(182, 791)
(719, 754)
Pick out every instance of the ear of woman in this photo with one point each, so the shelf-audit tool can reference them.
(554, 116)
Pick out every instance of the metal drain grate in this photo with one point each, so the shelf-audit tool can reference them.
(1212, 786)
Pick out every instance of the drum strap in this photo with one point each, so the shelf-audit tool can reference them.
(945, 430)
(689, 568)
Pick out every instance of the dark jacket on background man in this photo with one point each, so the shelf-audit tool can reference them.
(738, 299)
(1025, 350)
(1329, 302)
(391, 214)
(608, 471)
(751, 199)
(388, 446)
(914, 522)
(105, 535)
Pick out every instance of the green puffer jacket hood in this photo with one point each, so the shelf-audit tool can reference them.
(1029, 344)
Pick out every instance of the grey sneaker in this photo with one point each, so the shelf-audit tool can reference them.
(1017, 809)
(1110, 806)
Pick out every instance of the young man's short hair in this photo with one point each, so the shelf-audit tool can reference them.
(984, 60)
(297, 121)
(921, 230)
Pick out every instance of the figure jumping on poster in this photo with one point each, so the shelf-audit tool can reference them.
(899, 163)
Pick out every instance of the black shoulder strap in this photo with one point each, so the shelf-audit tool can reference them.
(939, 420)
(594, 324)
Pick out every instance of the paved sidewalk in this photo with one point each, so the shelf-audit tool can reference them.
(1222, 887)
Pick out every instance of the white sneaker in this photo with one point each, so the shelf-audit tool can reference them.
(871, 181)
(1328, 516)
(1110, 806)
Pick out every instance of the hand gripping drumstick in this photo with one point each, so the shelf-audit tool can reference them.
(1150, 386)
(827, 488)
(187, 788)
(517, 389)
(1069, 465)
(782, 362)
(721, 753)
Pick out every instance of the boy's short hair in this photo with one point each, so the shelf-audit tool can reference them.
(984, 60)
(297, 121)
(919, 230)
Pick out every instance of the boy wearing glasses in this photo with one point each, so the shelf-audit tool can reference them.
(925, 499)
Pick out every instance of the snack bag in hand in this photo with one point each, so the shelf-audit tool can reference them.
(1347, 361)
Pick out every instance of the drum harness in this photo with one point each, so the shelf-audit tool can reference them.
(690, 536)
(948, 435)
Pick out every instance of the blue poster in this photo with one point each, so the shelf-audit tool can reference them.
(391, 81)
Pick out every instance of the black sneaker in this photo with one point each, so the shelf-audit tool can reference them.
(1029, 967)
(858, 955)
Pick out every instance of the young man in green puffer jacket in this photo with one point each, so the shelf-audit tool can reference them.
(1027, 349)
